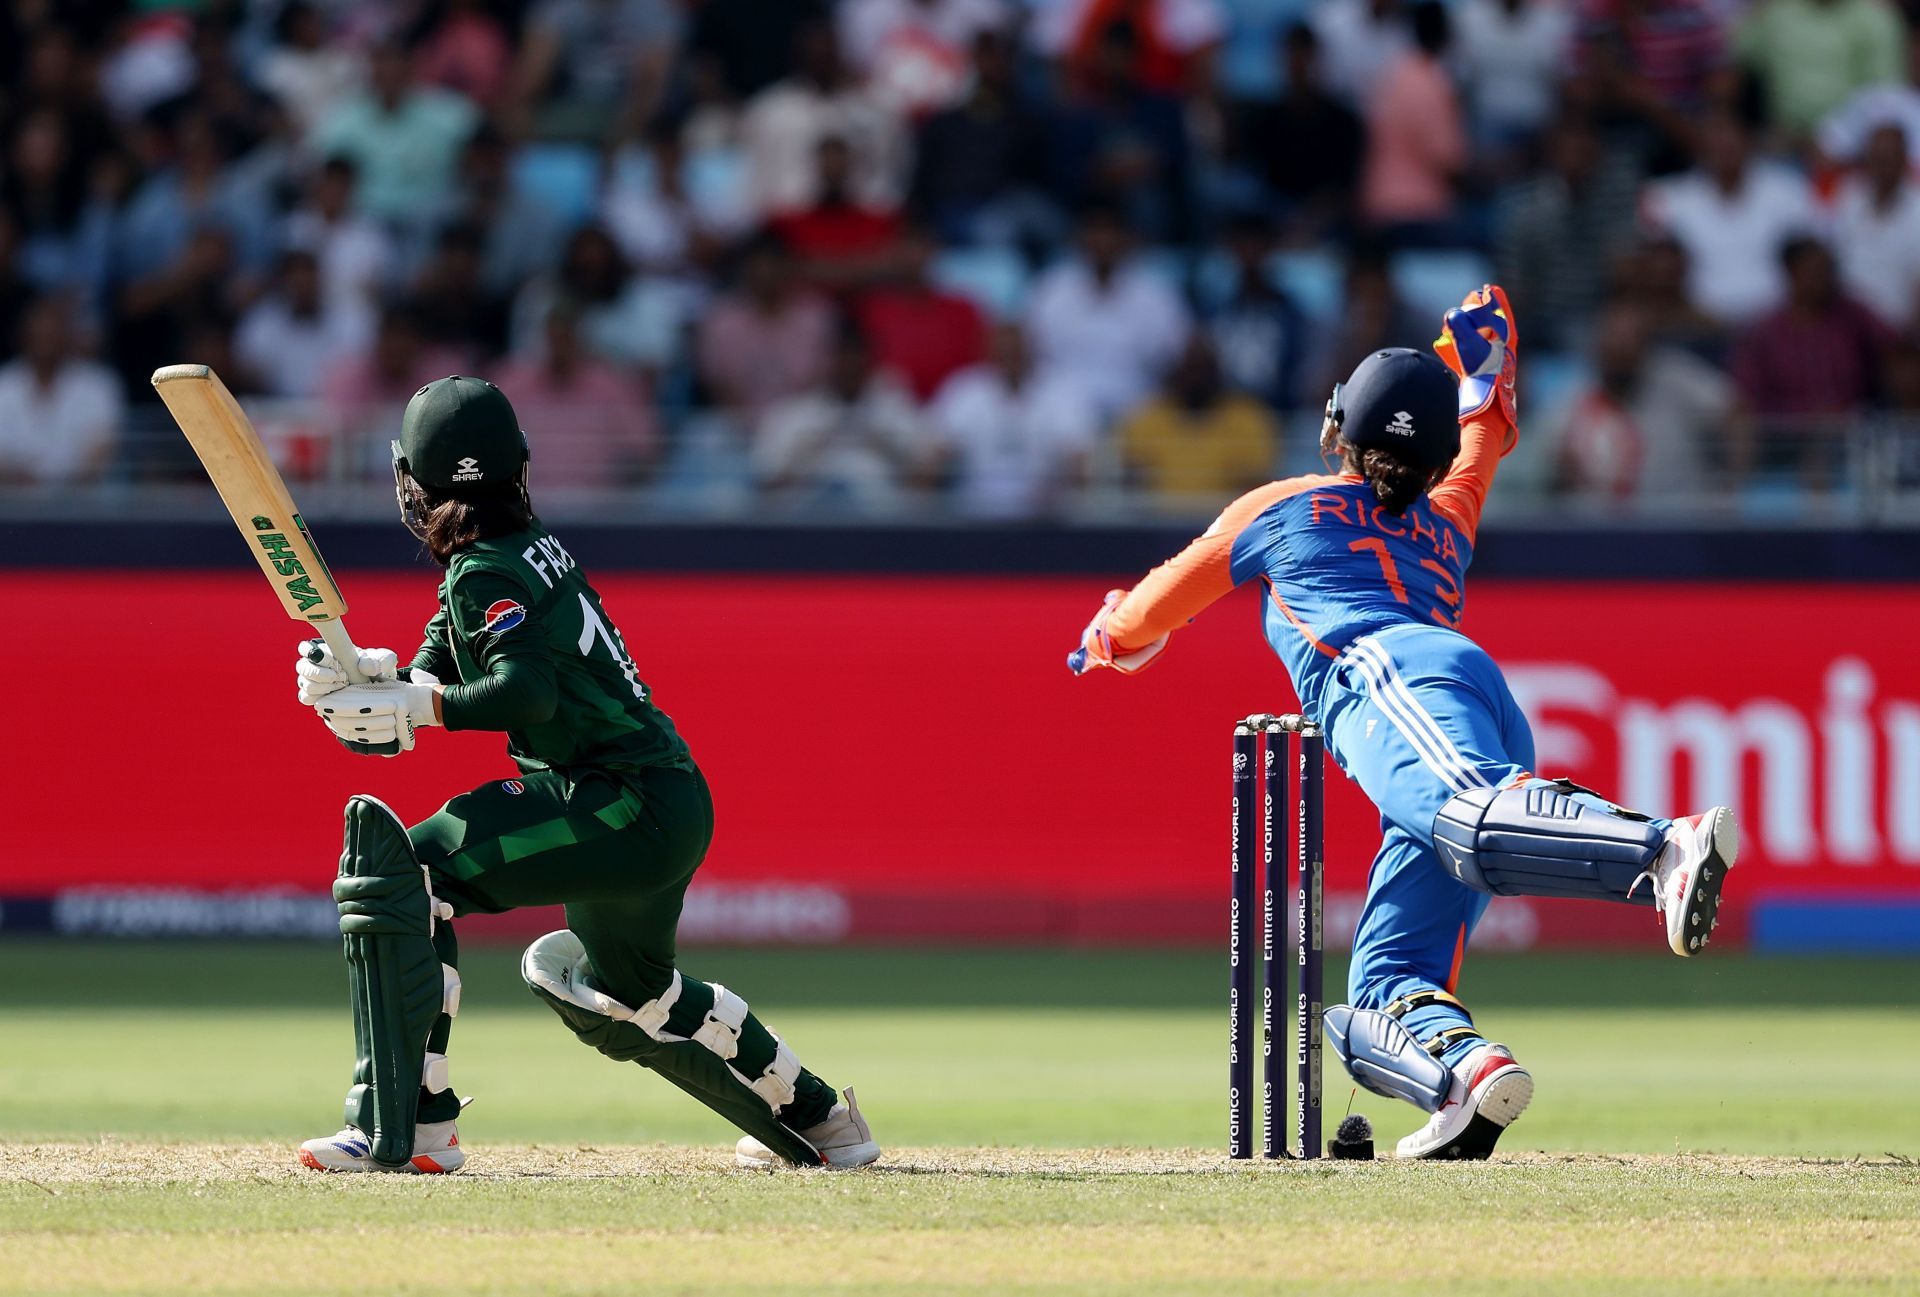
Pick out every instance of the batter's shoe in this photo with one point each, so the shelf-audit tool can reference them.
(1688, 874)
(1489, 1091)
(844, 1140)
(436, 1151)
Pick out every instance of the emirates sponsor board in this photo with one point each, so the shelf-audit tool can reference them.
(910, 759)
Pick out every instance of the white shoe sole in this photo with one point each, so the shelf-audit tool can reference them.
(1501, 1099)
(444, 1162)
(1700, 912)
(1507, 1096)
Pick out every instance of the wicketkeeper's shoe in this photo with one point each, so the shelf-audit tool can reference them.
(1489, 1091)
(1688, 874)
(844, 1140)
(436, 1151)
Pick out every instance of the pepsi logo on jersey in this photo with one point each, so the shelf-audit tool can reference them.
(504, 615)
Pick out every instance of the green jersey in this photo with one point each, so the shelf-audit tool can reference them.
(536, 655)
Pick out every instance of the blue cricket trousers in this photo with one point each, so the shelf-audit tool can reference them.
(1415, 714)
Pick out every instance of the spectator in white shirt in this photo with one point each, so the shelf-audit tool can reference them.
(1511, 56)
(786, 122)
(306, 72)
(1359, 41)
(1843, 135)
(1016, 437)
(292, 336)
(60, 414)
(631, 321)
(659, 211)
(355, 255)
(854, 443)
(1107, 322)
(1732, 214)
(1876, 227)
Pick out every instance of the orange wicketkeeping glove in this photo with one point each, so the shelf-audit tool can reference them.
(1097, 648)
(1478, 341)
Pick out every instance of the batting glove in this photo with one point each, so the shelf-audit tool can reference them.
(1478, 340)
(379, 720)
(1097, 648)
(319, 672)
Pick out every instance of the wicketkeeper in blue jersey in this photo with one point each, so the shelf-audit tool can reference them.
(1364, 572)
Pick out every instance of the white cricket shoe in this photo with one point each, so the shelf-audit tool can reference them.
(1489, 1090)
(436, 1151)
(1688, 874)
(844, 1140)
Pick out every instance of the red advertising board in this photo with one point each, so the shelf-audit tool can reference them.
(909, 758)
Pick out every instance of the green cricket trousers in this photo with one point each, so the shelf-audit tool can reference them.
(617, 849)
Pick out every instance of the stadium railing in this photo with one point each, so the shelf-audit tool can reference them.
(1845, 473)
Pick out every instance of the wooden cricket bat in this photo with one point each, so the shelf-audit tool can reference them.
(251, 488)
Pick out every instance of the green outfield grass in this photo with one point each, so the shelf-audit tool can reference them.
(150, 1096)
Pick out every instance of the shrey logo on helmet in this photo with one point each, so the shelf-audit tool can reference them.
(503, 615)
(468, 470)
(1402, 423)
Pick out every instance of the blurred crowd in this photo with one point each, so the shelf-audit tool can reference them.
(855, 257)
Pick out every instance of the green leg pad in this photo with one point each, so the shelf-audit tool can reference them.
(393, 972)
(690, 1065)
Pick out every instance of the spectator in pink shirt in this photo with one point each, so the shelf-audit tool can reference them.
(590, 424)
(465, 50)
(1417, 140)
(766, 340)
(1812, 363)
(388, 373)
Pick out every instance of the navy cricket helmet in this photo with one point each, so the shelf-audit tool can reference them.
(1401, 401)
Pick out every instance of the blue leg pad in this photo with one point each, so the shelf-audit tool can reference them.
(1546, 837)
(1383, 1056)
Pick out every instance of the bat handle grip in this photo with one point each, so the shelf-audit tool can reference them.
(334, 632)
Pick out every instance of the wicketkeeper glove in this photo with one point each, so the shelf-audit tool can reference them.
(319, 673)
(1478, 341)
(379, 720)
(1097, 648)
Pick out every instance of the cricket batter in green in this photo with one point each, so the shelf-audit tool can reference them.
(608, 816)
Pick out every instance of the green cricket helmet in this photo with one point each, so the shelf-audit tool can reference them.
(458, 437)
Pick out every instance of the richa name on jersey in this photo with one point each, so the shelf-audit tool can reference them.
(1417, 523)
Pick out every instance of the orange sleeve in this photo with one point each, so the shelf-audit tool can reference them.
(1181, 588)
(1485, 440)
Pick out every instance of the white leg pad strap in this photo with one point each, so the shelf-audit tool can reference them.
(437, 909)
(450, 990)
(651, 1017)
(433, 1076)
(776, 1083)
(721, 1031)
